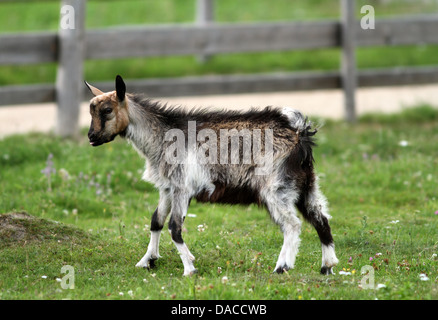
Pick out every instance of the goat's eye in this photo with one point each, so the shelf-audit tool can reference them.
(107, 110)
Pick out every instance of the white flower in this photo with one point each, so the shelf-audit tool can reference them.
(424, 277)
(224, 279)
(380, 286)
(191, 215)
(120, 293)
(131, 294)
(44, 277)
(403, 143)
(395, 221)
(345, 273)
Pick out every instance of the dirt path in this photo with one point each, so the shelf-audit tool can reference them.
(324, 103)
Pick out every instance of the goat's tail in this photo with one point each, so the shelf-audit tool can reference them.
(302, 152)
(306, 142)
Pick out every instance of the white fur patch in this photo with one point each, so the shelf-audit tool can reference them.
(328, 256)
(290, 247)
(318, 200)
(295, 117)
(152, 252)
(197, 178)
(187, 258)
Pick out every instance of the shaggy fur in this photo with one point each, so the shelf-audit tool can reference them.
(256, 156)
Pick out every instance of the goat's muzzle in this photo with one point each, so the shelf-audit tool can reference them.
(95, 140)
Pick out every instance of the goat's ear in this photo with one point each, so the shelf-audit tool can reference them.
(120, 88)
(93, 90)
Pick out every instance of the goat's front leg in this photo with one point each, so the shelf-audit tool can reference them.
(178, 213)
(157, 223)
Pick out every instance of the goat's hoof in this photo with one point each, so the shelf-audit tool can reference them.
(282, 269)
(152, 263)
(149, 264)
(141, 265)
(191, 273)
(326, 270)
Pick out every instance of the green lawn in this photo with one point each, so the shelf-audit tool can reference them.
(378, 175)
(29, 16)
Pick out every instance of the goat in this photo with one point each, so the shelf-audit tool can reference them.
(187, 156)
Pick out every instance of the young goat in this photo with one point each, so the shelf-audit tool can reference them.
(216, 156)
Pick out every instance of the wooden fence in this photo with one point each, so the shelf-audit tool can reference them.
(204, 38)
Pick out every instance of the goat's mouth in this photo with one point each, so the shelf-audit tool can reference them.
(99, 142)
(96, 143)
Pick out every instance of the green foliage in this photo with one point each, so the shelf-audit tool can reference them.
(382, 196)
(44, 15)
(422, 114)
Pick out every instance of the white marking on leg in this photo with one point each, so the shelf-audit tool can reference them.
(328, 255)
(152, 252)
(187, 258)
(281, 206)
(291, 244)
(318, 201)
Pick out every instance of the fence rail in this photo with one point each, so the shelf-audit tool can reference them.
(230, 84)
(206, 39)
(172, 40)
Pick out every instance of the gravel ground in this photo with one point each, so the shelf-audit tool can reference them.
(324, 103)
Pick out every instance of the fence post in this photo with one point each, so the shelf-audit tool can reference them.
(69, 85)
(204, 16)
(348, 61)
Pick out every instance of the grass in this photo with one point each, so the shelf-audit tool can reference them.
(382, 196)
(25, 16)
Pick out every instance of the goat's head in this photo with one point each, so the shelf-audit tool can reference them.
(109, 113)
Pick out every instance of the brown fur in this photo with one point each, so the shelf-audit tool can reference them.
(112, 124)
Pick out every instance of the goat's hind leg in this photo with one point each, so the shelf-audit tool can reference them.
(283, 212)
(313, 206)
(291, 228)
(157, 223)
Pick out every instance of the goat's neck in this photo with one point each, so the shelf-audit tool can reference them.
(144, 133)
